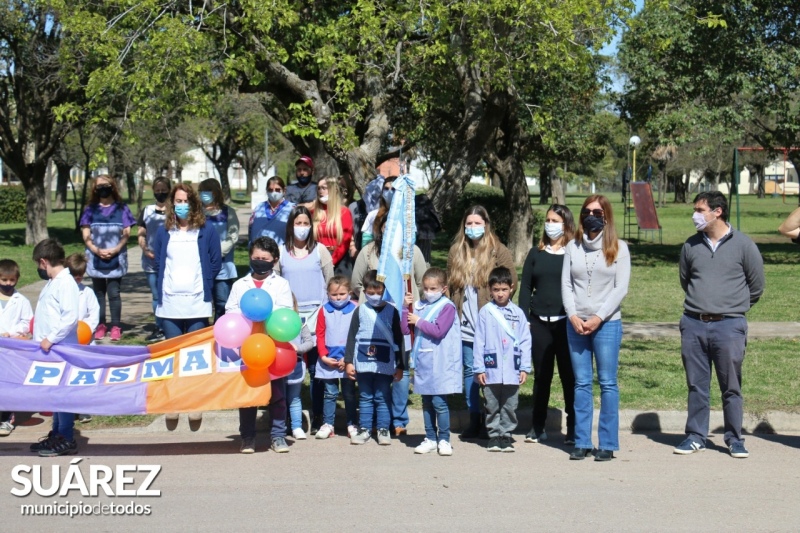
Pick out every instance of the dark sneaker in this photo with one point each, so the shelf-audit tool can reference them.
(156, 336)
(689, 446)
(579, 454)
(536, 435)
(603, 455)
(84, 418)
(507, 445)
(569, 440)
(495, 444)
(43, 443)
(738, 450)
(248, 445)
(59, 446)
(279, 445)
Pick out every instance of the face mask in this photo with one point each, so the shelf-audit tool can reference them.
(260, 267)
(206, 197)
(304, 180)
(301, 232)
(339, 304)
(375, 300)
(104, 192)
(387, 196)
(433, 296)
(42, 273)
(700, 221)
(8, 290)
(161, 197)
(275, 196)
(323, 200)
(475, 232)
(554, 230)
(593, 224)
(182, 211)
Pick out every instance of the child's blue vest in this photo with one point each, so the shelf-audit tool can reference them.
(375, 348)
(438, 366)
(106, 233)
(337, 326)
(220, 224)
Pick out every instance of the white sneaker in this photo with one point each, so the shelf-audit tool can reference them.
(299, 434)
(351, 431)
(445, 448)
(325, 431)
(427, 446)
(6, 428)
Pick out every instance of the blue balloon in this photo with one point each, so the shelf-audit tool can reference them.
(256, 304)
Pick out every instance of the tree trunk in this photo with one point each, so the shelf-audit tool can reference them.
(680, 189)
(36, 207)
(662, 184)
(545, 185)
(559, 191)
(140, 189)
(515, 190)
(62, 181)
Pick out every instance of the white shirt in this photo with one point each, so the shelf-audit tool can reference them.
(182, 294)
(56, 317)
(15, 317)
(276, 286)
(88, 306)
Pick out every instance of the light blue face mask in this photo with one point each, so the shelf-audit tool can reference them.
(339, 304)
(375, 300)
(474, 232)
(182, 211)
(206, 197)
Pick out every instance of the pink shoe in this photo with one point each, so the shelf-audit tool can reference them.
(100, 332)
(116, 333)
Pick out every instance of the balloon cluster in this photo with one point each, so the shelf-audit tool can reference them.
(261, 334)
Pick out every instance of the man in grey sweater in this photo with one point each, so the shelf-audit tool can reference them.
(722, 274)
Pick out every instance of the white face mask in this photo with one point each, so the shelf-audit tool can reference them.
(275, 196)
(301, 232)
(700, 221)
(554, 230)
(323, 199)
(433, 296)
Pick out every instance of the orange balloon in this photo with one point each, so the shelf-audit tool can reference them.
(84, 332)
(255, 377)
(258, 351)
(259, 327)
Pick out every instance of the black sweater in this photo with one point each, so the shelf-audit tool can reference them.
(540, 284)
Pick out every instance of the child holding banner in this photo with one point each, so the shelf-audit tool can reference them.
(56, 321)
(15, 319)
(88, 306)
(264, 254)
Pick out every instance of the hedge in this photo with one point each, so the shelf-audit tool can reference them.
(12, 205)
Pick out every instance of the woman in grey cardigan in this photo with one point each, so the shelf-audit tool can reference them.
(594, 280)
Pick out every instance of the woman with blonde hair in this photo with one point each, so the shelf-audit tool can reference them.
(476, 250)
(333, 223)
(594, 280)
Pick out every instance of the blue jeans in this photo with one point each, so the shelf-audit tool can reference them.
(604, 345)
(316, 388)
(436, 415)
(277, 413)
(221, 291)
(374, 395)
(152, 278)
(472, 391)
(332, 393)
(175, 327)
(295, 405)
(64, 425)
(400, 402)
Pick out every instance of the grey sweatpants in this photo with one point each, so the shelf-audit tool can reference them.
(501, 409)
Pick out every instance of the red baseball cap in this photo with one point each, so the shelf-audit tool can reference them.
(306, 161)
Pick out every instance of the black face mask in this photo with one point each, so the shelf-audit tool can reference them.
(593, 224)
(304, 180)
(104, 192)
(260, 267)
(8, 290)
(161, 197)
(42, 273)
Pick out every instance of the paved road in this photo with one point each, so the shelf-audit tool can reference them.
(206, 485)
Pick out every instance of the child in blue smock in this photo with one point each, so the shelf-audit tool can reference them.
(294, 381)
(333, 326)
(437, 359)
(502, 359)
(374, 355)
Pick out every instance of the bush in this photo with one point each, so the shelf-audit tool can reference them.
(494, 201)
(12, 205)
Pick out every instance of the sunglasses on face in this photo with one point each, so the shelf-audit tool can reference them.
(595, 212)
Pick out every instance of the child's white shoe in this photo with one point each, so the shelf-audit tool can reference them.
(299, 434)
(445, 448)
(325, 431)
(427, 446)
(351, 431)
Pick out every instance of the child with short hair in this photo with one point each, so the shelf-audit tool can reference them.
(264, 254)
(436, 353)
(502, 359)
(88, 306)
(375, 354)
(302, 344)
(56, 322)
(333, 326)
(15, 319)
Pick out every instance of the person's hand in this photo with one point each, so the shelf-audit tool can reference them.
(591, 325)
(149, 254)
(353, 249)
(412, 319)
(577, 324)
(398, 374)
(330, 361)
(480, 379)
(408, 299)
(350, 370)
(341, 364)
(523, 377)
(45, 345)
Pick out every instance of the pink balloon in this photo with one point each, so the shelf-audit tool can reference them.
(232, 329)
